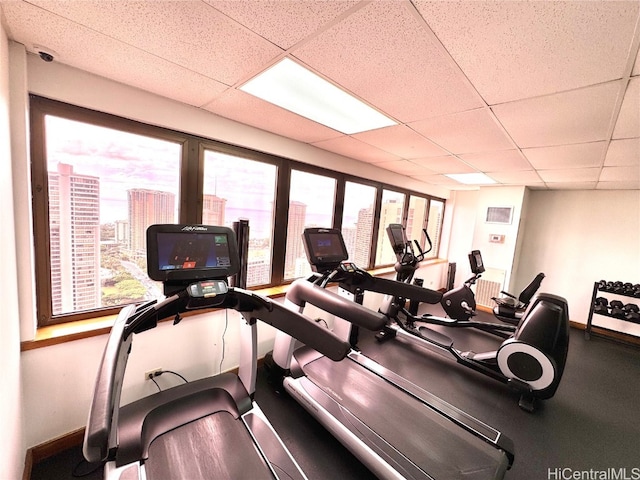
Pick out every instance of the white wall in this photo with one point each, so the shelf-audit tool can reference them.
(469, 230)
(580, 237)
(12, 451)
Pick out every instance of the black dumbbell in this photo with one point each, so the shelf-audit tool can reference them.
(618, 287)
(608, 287)
(617, 309)
(636, 290)
(628, 289)
(632, 312)
(602, 284)
(601, 306)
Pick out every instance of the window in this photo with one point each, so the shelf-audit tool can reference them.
(99, 181)
(311, 204)
(391, 211)
(105, 187)
(236, 188)
(357, 221)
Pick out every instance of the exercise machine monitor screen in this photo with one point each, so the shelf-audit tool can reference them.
(398, 237)
(475, 259)
(324, 246)
(190, 252)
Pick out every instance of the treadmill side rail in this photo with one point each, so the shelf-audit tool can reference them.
(100, 435)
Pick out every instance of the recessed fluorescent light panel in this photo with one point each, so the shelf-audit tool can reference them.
(291, 86)
(471, 178)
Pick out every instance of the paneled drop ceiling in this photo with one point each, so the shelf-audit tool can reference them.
(538, 93)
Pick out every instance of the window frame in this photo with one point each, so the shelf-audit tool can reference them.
(190, 196)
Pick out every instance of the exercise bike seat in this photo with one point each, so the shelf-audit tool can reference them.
(511, 308)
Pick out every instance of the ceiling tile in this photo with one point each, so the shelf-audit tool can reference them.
(628, 124)
(245, 108)
(448, 164)
(620, 185)
(524, 177)
(400, 140)
(623, 152)
(572, 185)
(578, 116)
(618, 174)
(566, 156)
(466, 132)
(534, 48)
(353, 148)
(283, 22)
(437, 180)
(503, 160)
(404, 167)
(570, 175)
(189, 33)
(384, 54)
(116, 60)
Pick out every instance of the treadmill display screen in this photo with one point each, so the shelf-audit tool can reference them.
(190, 252)
(324, 246)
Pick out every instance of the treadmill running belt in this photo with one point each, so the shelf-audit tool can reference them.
(213, 447)
(435, 444)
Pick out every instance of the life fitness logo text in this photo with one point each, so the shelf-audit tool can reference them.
(194, 228)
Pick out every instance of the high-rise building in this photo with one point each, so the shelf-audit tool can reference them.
(295, 227)
(364, 230)
(391, 212)
(74, 218)
(121, 232)
(147, 207)
(213, 210)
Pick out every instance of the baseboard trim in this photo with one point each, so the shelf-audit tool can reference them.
(38, 453)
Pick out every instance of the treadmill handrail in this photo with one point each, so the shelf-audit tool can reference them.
(356, 277)
(106, 396)
(303, 291)
(100, 434)
(298, 326)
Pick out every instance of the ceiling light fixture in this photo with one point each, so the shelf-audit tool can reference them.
(471, 178)
(289, 85)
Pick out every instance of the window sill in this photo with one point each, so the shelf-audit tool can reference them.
(68, 332)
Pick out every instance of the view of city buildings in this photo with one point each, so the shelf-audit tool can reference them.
(95, 265)
(74, 217)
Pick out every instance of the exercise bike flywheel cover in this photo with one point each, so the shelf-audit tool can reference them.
(524, 362)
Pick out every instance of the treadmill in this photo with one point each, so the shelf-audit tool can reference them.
(206, 429)
(395, 428)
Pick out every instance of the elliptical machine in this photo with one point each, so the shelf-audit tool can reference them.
(459, 303)
(531, 360)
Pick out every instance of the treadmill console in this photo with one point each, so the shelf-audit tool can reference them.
(178, 255)
(325, 248)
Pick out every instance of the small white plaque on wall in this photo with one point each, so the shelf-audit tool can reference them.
(503, 215)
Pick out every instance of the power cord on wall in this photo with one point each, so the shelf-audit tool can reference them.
(226, 324)
(152, 377)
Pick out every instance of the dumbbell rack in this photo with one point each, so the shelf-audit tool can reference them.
(597, 289)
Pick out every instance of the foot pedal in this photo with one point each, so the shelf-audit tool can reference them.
(435, 337)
